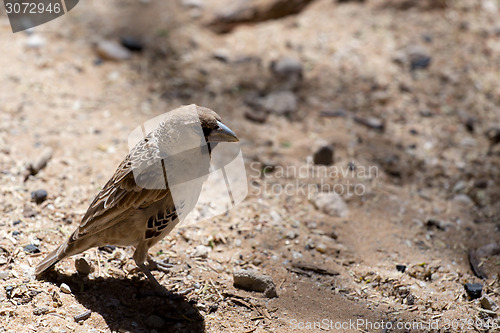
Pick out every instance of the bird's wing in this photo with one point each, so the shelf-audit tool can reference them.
(121, 195)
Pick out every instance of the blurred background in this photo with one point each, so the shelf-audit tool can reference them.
(370, 134)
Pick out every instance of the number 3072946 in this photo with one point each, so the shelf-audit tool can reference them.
(32, 8)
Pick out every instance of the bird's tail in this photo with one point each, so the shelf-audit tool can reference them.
(50, 260)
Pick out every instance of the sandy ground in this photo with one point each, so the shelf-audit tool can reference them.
(433, 194)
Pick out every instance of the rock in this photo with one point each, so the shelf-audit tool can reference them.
(474, 290)
(40, 311)
(324, 155)
(4, 275)
(83, 266)
(418, 56)
(39, 196)
(401, 268)
(107, 248)
(331, 204)
(65, 288)
(410, 299)
(488, 304)
(132, 44)
(192, 3)
(426, 113)
(463, 200)
(201, 251)
(490, 6)
(155, 321)
(321, 248)
(41, 162)
(280, 102)
(371, 122)
(291, 234)
(222, 55)
(288, 73)
(467, 120)
(244, 11)
(30, 248)
(481, 183)
(252, 281)
(493, 136)
(381, 97)
(110, 50)
(254, 115)
(297, 254)
(438, 224)
(414, 56)
(82, 316)
(341, 113)
(8, 291)
(35, 42)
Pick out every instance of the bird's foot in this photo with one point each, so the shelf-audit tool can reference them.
(158, 288)
(159, 265)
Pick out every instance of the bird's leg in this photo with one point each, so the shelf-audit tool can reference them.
(140, 255)
(158, 265)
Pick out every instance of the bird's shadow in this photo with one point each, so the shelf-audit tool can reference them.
(131, 305)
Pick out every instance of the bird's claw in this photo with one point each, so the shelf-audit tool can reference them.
(159, 265)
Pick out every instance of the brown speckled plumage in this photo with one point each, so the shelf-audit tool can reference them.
(124, 213)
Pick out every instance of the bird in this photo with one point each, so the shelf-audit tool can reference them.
(152, 190)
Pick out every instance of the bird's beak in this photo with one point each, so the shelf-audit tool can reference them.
(222, 134)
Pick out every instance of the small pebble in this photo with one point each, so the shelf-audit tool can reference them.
(108, 248)
(155, 321)
(82, 266)
(297, 255)
(35, 42)
(331, 204)
(8, 291)
(401, 268)
(131, 43)
(4, 275)
(83, 316)
(39, 196)
(488, 304)
(280, 102)
(110, 50)
(324, 155)
(288, 73)
(65, 288)
(252, 281)
(255, 115)
(201, 251)
(371, 122)
(30, 248)
(321, 248)
(474, 290)
(40, 311)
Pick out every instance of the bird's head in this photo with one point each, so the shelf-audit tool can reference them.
(213, 128)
